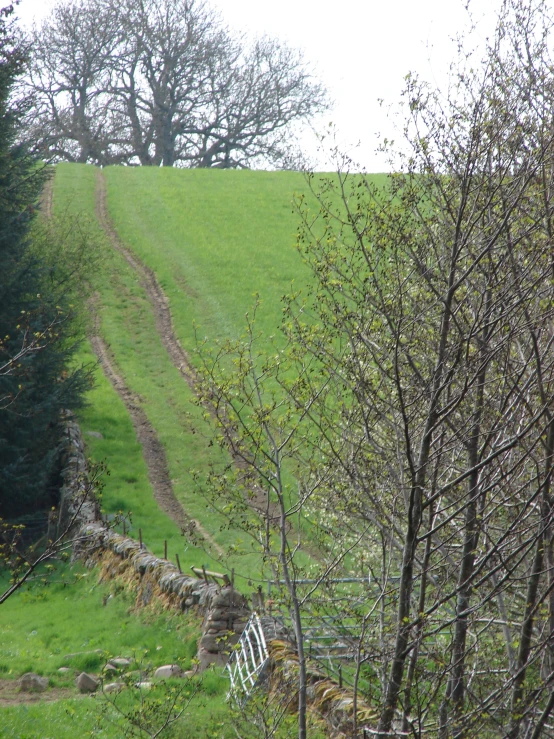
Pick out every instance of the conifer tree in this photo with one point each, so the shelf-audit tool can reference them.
(35, 323)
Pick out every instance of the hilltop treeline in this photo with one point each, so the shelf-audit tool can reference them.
(164, 82)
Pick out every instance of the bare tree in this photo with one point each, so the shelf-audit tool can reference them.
(423, 393)
(254, 103)
(164, 82)
(72, 117)
(259, 427)
(433, 319)
(162, 74)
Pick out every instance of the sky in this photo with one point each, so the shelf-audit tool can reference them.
(360, 49)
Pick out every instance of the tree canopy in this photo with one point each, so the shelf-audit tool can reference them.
(164, 82)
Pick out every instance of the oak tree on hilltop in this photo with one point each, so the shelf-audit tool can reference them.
(164, 83)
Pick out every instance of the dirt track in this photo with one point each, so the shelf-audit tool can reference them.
(10, 695)
(151, 286)
(153, 450)
(164, 325)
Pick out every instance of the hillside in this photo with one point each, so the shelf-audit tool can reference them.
(213, 240)
(210, 241)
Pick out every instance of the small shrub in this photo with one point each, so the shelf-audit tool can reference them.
(88, 662)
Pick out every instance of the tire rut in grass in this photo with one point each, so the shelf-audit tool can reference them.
(164, 324)
(257, 498)
(10, 694)
(148, 281)
(152, 449)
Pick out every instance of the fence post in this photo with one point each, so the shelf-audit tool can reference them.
(165, 549)
(178, 563)
(140, 538)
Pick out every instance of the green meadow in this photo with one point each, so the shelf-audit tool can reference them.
(66, 618)
(215, 240)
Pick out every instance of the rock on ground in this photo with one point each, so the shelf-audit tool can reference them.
(86, 683)
(32, 683)
(120, 662)
(168, 671)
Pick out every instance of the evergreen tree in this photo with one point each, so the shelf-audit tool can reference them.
(36, 333)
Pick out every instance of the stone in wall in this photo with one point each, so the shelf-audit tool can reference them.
(225, 610)
(226, 613)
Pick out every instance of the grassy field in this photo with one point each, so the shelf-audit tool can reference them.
(214, 240)
(76, 622)
(76, 615)
(127, 326)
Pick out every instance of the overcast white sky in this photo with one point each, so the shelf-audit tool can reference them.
(360, 49)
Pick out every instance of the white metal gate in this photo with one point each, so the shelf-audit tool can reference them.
(248, 659)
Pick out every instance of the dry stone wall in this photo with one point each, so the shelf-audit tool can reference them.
(345, 714)
(225, 611)
(76, 507)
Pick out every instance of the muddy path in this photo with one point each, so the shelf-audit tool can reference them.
(257, 498)
(11, 695)
(152, 449)
(150, 284)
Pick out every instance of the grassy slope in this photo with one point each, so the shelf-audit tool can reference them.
(127, 487)
(128, 328)
(198, 231)
(73, 614)
(214, 239)
(62, 624)
(42, 625)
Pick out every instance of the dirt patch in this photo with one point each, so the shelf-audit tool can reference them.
(47, 198)
(10, 695)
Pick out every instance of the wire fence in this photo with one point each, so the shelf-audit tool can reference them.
(35, 525)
